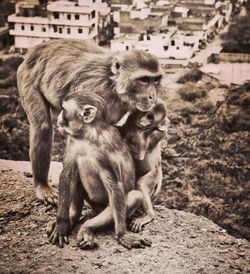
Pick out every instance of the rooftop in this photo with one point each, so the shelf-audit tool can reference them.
(70, 7)
(21, 19)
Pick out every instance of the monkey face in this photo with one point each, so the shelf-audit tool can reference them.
(153, 119)
(145, 130)
(143, 91)
(69, 124)
(137, 75)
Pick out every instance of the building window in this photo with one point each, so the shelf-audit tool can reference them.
(79, 30)
(68, 16)
(77, 17)
(56, 15)
(172, 43)
(93, 14)
(68, 30)
(55, 28)
(165, 48)
(43, 29)
(31, 28)
(177, 48)
(60, 30)
(92, 28)
(22, 27)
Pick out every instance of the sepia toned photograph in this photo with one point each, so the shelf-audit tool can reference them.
(125, 136)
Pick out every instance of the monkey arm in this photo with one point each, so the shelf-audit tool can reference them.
(142, 185)
(158, 180)
(146, 184)
(59, 229)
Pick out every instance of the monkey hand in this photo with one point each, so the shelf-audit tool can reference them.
(85, 239)
(137, 224)
(130, 240)
(57, 233)
(47, 194)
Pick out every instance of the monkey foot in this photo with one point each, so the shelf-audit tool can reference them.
(85, 239)
(130, 241)
(137, 224)
(55, 236)
(47, 194)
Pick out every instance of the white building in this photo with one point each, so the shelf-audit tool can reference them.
(65, 20)
(172, 45)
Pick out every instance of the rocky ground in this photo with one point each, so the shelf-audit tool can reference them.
(183, 243)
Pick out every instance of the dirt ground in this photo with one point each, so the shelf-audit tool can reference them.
(183, 243)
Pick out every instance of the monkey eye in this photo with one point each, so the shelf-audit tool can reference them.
(157, 80)
(144, 79)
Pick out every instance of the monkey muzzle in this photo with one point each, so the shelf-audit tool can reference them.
(146, 103)
(144, 107)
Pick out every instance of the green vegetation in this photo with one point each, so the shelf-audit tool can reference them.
(237, 39)
(14, 133)
(191, 92)
(193, 75)
(206, 157)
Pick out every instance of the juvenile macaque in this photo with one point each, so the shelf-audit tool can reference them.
(143, 133)
(54, 69)
(99, 169)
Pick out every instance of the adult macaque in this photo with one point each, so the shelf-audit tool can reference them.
(99, 169)
(143, 133)
(51, 70)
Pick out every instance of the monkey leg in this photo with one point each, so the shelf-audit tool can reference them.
(131, 240)
(77, 200)
(85, 237)
(38, 114)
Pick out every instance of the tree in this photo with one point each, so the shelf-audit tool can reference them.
(237, 39)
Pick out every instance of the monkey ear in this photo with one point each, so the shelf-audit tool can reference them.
(115, 67)
(88, 113)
